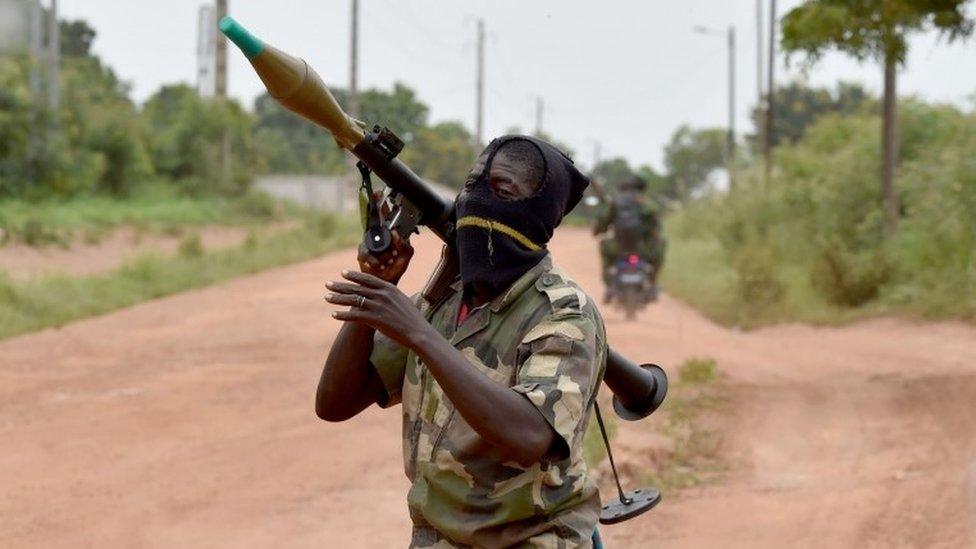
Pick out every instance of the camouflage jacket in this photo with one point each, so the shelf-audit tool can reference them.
(544, 338)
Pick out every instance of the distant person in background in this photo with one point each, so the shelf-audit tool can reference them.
(636, 229)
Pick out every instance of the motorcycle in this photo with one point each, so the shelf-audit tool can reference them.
(632, 284)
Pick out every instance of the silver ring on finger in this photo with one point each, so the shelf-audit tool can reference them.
(362, 302)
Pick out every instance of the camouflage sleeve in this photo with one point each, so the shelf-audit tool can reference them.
(389, 359)
(563, 362)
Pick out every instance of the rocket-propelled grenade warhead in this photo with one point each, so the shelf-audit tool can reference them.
(295, 85)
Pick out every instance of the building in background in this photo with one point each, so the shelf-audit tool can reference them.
(206, 51)
(15, 25)
(316, 192)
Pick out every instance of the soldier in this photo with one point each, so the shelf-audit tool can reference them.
(636, 229)
(497, 379)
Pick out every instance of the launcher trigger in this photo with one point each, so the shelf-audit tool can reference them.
(403, 216)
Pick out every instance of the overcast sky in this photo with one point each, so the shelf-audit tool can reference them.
(624, 74)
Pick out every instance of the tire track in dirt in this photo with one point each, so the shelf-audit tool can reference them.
(188, 421)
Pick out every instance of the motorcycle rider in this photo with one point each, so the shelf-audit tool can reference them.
(636, 229)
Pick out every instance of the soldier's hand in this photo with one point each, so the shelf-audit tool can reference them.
(379, 304)
(389, 265)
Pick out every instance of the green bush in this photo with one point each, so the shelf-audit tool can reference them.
(697, 370)
(35, 232)
(186, 133)
(849, 279)
(808, 243)
(757, 281)
(322, 224)
(258, 205)
(251, 240)
(191, 246)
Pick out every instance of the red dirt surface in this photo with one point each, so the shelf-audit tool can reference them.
(188, 421)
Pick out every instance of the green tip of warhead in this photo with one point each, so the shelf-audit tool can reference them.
(250, 45)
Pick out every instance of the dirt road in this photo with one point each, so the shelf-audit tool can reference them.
(188, 422)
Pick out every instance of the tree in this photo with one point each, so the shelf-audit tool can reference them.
(878, 30)
(690, 157)
(796, 106)
(397, 109)
(299, 146)
(612, 171)
(292, 144)
(657, 183)
(15, 125)
(76, 38)
(185, 133)
(441, 153)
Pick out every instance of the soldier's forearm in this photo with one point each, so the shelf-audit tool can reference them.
(504, 418)
(348, 384)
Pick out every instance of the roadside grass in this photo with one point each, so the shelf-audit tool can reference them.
(694, 457)
(699, 272)
(56, 300)
(60, 222)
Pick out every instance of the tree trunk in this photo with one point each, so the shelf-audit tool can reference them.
(889, 147)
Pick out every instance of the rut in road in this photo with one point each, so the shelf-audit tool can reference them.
(189, 421)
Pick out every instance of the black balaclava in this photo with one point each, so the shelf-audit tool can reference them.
(499, 240)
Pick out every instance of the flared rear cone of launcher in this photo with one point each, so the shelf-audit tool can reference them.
(653, 385)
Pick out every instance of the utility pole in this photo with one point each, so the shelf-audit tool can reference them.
(220, 85)
(760, 100)
(353, 108)
(220, 90)
(480, 84)
(770, 136)
(54, 62)
(36, 49)
(539, 110)
(36, 55)
(730, 43)
(731, 161)
(354, 61)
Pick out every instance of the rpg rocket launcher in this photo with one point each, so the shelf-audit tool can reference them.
(409, 202)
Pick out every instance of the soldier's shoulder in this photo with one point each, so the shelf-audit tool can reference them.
(564, 296)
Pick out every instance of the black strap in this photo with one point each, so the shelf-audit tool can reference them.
(372, 208)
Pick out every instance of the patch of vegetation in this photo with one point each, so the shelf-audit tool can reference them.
(694, 457)
(56, 300)
(191, 246)
(58, 222)
(809, 243)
